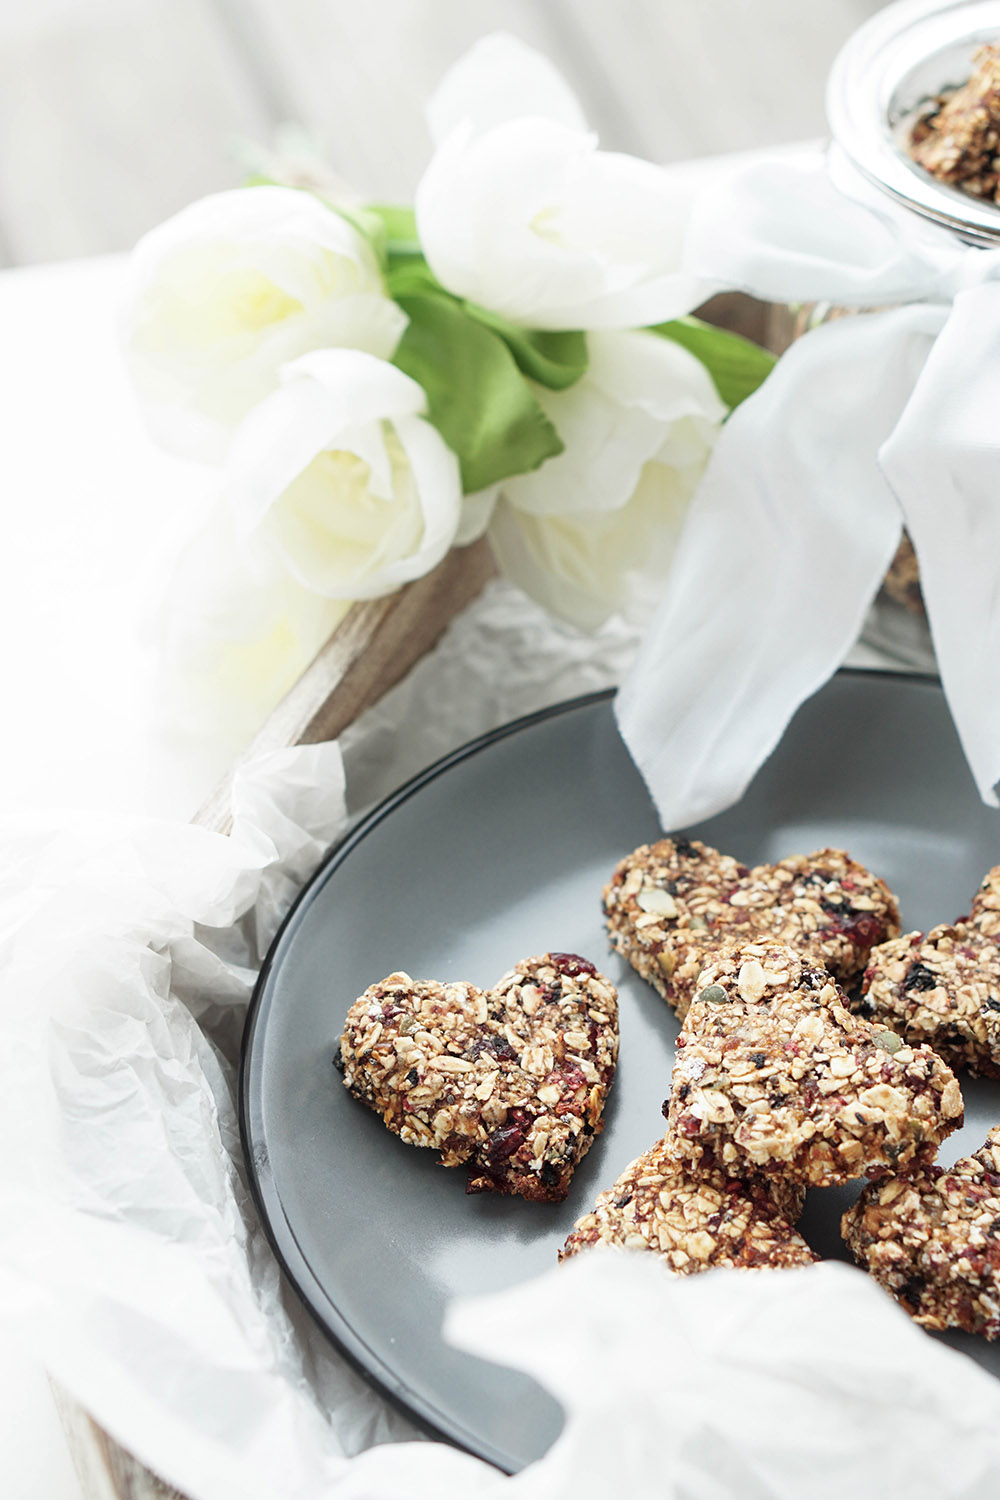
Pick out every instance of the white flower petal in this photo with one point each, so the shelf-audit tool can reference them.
(642, 397)
(231, 289)
(439, 487)
(361, 387)
(338, 477)
(498, 79)
(476, 512)
(277, 441)
(587, 566)
(236, 636)
(533, 222)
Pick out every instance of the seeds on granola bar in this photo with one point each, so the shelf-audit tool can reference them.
(932, 1239)
(944, 988)
(784, 1079)
(694, 1221)
(510, 1081)
(824, 904)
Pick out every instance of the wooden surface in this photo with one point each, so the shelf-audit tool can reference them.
(105, 1470)
(116, 113)
(371, 649)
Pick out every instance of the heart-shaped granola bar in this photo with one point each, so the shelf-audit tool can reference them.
(669, 905)
(511, 1081)
(695, 1221)
(774, 1074)
(944, 988)
(932, 1239)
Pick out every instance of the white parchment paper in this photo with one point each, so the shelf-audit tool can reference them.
(131, 1256)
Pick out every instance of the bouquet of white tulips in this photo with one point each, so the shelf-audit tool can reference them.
(512, 356)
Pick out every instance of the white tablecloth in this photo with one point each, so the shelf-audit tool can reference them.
(95, 516)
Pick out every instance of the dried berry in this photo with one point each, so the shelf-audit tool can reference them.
(571, 964)
(919, 977)
(504, 1143)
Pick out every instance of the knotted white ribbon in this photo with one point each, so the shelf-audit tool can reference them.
(866, 424)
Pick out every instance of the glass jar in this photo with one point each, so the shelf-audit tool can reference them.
(886, 76)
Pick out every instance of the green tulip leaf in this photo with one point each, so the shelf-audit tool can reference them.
(477, 398)
(737, 366)
(553, 359)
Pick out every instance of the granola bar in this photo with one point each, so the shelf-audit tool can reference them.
(774, 1074)
(669, 905)
(985, 914)
(509, 1081)
(902, 581)
(695, 1221)
(958, 142)
(932, 1239)
(944, 988)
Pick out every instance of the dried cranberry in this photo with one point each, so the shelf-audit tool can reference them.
(572, 964)
(504, 1143)
(863, 930)
(496, 1046)
(569, 1078)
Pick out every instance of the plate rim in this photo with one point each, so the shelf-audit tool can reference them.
(326, 1316)
(263, 1188)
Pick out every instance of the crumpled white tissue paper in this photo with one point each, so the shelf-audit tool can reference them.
(865, 424)
(145, 1282)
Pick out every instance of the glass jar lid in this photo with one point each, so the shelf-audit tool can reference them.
(885, 76)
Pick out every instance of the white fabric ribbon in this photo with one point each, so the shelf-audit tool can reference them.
(866, 424)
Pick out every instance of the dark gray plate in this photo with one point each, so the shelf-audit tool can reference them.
(498, 853)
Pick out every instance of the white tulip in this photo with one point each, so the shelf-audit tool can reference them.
(231, 289)
(237, 632)
(520, 212)
(339, 476)
(592, 532)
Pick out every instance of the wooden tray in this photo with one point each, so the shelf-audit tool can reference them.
(372, 648)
